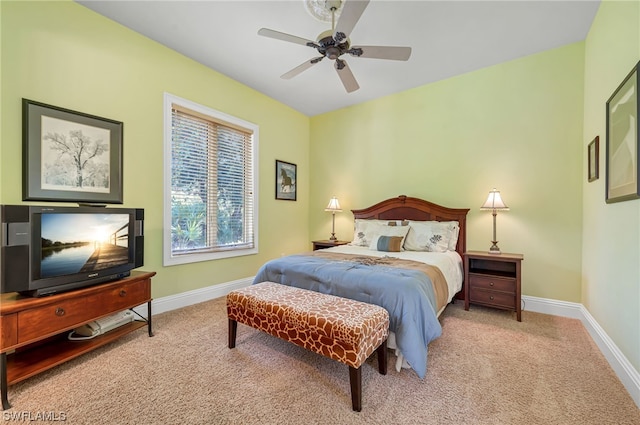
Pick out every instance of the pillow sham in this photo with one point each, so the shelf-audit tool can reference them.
(364, 231)
(432, 236)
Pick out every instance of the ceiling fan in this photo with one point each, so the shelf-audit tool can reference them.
(334, 43)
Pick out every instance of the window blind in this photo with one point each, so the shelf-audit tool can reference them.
(211, 184)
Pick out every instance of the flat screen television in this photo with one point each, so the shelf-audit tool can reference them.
(46, 250)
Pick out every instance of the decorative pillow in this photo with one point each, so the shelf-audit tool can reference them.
(365, 230)
(432, 236)
(454, 228)
(389, 231)
(387, 243)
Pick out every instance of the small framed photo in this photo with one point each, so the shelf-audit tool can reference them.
(286, 179)
(593, 158)
(70, 156)
(623, 141)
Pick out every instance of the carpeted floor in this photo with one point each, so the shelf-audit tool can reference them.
(486, 368)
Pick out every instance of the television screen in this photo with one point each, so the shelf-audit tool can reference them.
(78, 243)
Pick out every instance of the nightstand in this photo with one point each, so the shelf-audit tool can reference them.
(327, 244)
(493, 280)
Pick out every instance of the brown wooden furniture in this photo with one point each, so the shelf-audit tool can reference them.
(34, 330)
(493, 280)
(407, 208)
(327, 244)
(338, 328)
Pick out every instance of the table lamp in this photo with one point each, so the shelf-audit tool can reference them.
(334, 207)
(494, 203)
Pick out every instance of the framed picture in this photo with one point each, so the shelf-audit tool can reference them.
(70, 156)
(623, 142)
(286, 179)
(593, 158)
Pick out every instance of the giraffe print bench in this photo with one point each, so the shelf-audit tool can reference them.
(338, 328)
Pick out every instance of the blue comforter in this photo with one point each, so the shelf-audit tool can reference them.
(406, 294)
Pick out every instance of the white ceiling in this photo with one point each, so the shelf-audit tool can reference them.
(448, 38)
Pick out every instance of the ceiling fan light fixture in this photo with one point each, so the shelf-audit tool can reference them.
(322, 10)
(334, 43)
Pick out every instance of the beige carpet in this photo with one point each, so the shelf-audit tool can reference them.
(485, 369)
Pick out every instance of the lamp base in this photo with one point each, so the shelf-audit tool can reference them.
(333, 237)
(494, 248)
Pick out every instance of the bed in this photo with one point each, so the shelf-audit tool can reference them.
(414, 284)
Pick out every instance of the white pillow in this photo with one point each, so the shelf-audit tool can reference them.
(401, 231)
(432, 236)
(364, 231)
(454, 227)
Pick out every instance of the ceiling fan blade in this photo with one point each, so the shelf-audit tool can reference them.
(285, 37)
(302, 67)
(351, 12)
(346, 76)
(383, 52)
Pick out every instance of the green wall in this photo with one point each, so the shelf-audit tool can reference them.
(63, 54)
(516, 126)
(521, 126)
(611, 233)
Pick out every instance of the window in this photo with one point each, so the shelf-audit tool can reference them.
(210, 207)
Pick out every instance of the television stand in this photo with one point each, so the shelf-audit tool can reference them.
(33, 331)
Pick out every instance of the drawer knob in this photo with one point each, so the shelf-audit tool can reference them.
(59, 311)
(491, 297)
(490, 283)
(123, 293)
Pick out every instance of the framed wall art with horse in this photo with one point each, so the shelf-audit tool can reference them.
(286, 179)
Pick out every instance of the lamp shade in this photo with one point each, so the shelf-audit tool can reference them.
(494, 201)
(334, 205)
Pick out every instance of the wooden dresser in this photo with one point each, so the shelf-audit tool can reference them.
(493, 280)
(43, 323)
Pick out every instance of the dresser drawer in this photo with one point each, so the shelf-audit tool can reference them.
(72, 312)
(493, 298)
(55, 317)
(495, 283)
(125, 296)
(8, 331)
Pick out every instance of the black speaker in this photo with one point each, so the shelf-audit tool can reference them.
(14, 241)
(15, 269)
(139, 236)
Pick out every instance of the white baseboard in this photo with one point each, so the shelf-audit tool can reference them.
(627, 374)
(184, 299)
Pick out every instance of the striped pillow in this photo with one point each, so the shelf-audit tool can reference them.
(387, 243)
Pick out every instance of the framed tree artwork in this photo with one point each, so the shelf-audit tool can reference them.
(623, 141)
(70, 156)
(286, 180)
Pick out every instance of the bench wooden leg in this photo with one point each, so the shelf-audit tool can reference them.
(382, 358)
(233, 327)
(355, 379)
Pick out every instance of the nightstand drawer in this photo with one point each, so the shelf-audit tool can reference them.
(493, 298)
(493, 280)
(495, 283)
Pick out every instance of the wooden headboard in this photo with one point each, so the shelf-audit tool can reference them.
(407, 208)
